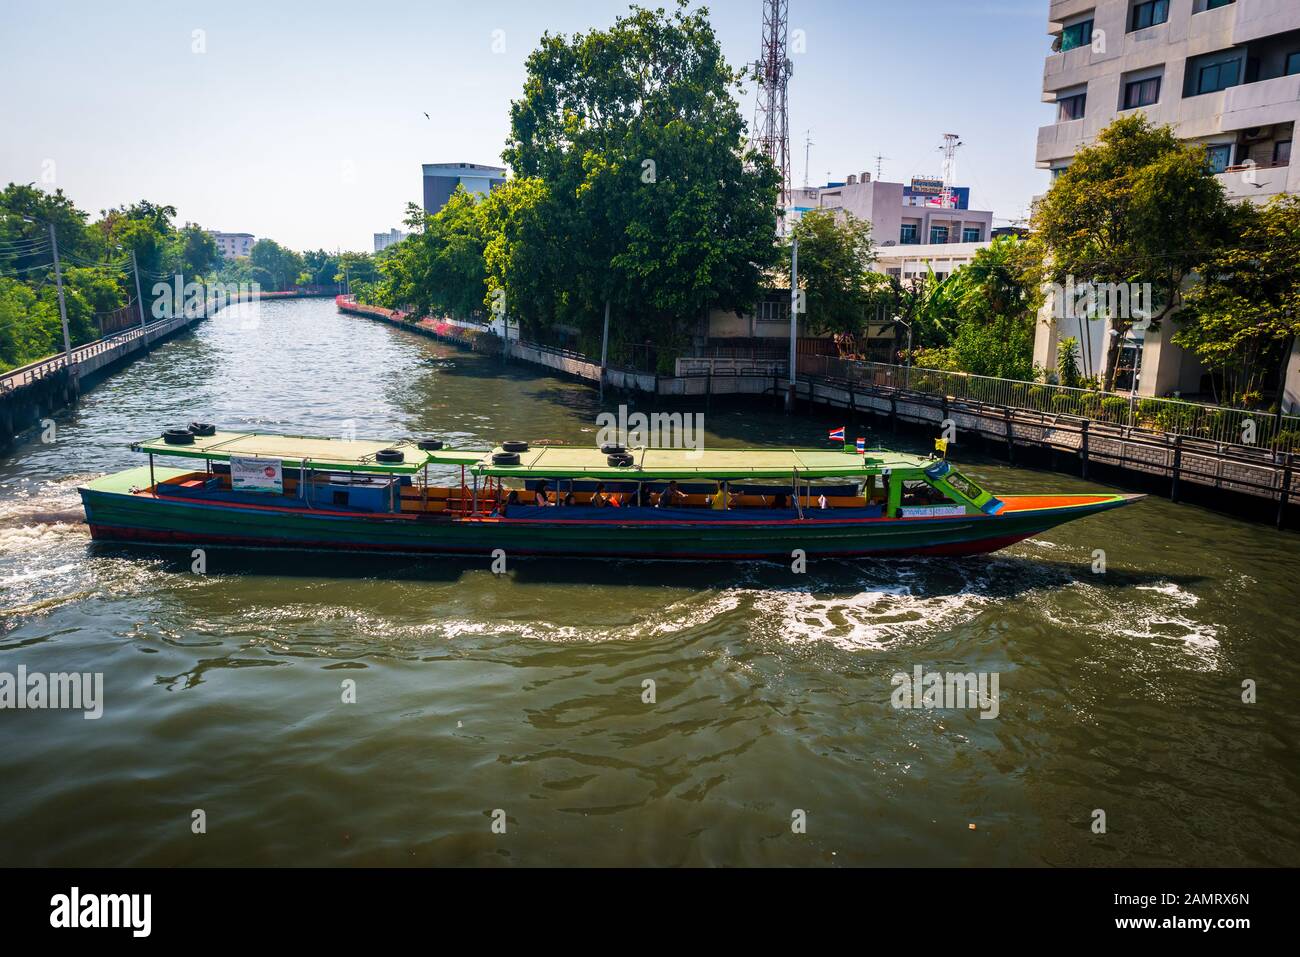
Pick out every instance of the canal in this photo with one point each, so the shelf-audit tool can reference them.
(523, 698)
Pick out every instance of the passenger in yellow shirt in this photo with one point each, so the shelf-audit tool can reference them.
(722, 498)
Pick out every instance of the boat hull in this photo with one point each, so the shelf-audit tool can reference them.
(116, 514)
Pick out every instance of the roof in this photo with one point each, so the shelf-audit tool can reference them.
(339, 454)
(562, 461)
(546, 461)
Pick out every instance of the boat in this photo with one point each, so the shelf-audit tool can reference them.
(253, 489)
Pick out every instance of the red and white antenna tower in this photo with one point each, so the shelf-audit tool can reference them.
(771, 129)
(949, 149)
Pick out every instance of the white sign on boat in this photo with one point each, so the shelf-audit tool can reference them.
(248, 474)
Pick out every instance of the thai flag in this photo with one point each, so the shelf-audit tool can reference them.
(837, 435)
(862, 444)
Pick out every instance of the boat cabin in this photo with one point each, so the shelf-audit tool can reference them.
(517, 482)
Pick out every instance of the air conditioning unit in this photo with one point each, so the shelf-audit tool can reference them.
(1256, 133)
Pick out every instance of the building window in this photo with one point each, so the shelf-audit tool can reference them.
(1282, 153)
(1072, 107)
(1217, 76)
(970, 234)
(1076, 35)
(1220, 156)
(774, 310)
(1141, 93)
(1149, 14)
(1293, 63)
(938, 234)
(907, 235)
(1057, 171)
(1213, 4)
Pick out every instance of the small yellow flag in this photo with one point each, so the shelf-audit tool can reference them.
(941, 445)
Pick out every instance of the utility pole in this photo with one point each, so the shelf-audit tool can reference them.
(604, 351)
(139, 302)
(63, 309)
(794, 319)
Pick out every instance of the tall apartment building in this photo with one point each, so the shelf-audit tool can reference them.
(441, 180)
(384, 240)
(1222, 73)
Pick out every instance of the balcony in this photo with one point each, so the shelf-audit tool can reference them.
(1257, 183)
(1262, 102)
(1260, 18)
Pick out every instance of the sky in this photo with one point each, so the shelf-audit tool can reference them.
(305, 122)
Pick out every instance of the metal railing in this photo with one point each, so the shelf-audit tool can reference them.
(704, 365)
(1170, 416)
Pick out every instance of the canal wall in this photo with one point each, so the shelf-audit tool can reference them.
(33, 392)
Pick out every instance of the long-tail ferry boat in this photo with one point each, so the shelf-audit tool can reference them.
(276, 491)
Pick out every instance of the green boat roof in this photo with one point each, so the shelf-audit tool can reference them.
(344, 455)
(553, 461)
(545, 461)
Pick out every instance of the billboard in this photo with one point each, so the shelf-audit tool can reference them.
(923, 184)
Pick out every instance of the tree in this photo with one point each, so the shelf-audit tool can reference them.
(196, 251)
(280, 265)
(1243, 314)
(1136, 207)
(636, 140)
(835, 257)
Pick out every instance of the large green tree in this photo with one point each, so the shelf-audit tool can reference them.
(1138, 206)
(835, 257)
(636, 136)
(1243, 314)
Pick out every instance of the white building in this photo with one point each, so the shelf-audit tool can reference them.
(919, 213)
(1223, 73)
(233, 244)
(384, 240)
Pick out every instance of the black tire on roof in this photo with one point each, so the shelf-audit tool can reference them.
(505, 458)
(389, 456)
(178, 437)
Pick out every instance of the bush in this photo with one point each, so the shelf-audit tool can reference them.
(1114, 408)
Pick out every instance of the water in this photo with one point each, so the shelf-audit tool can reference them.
(524, 694)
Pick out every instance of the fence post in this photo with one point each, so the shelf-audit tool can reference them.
(1178, 464)
(1083, 447)
(1285, 492)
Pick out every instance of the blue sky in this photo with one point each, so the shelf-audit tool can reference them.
(305, 122)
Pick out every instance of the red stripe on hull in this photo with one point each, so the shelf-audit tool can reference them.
(112, 533)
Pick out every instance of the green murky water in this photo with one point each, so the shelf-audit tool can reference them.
(524, 694)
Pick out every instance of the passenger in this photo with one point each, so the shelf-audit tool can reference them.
(504, 506)
(598, 498)
(721, 499)
(541, 497)
(779, 500)
(672, 496)
(570, 499)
